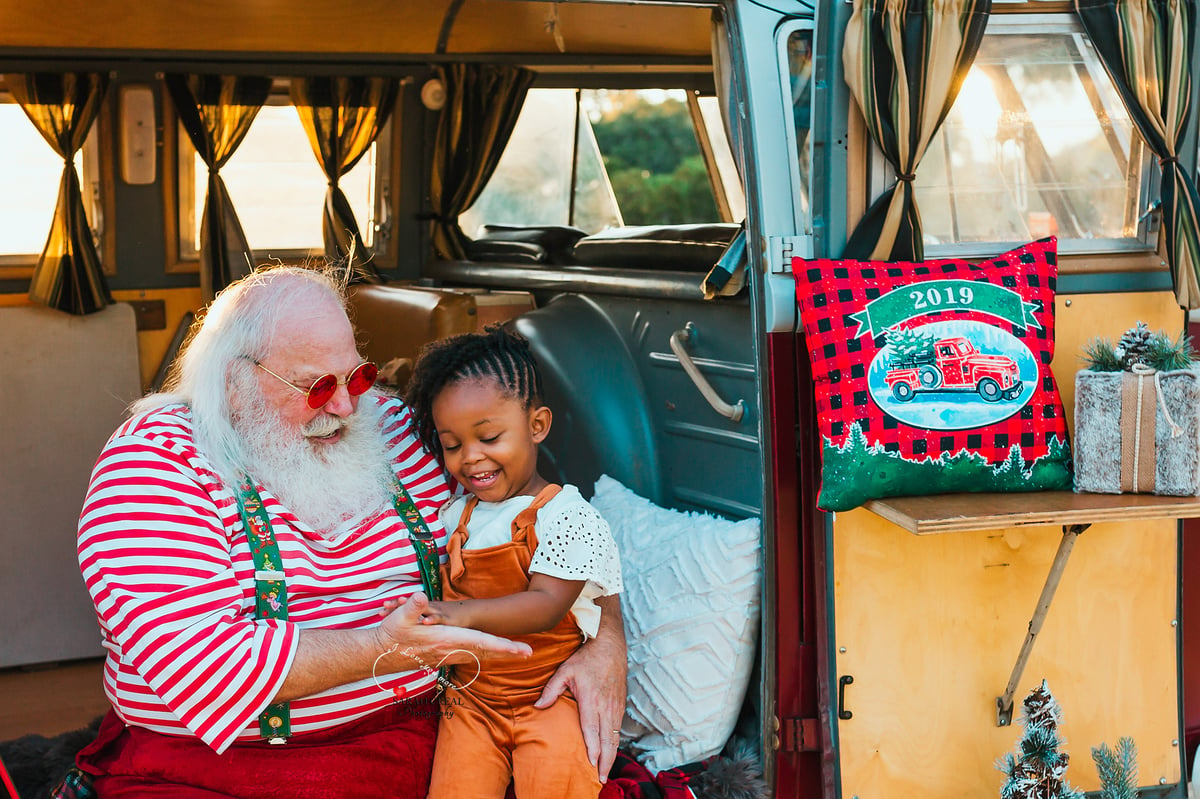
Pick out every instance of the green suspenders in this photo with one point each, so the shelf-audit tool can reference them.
(270, 588)
(270, 594)
(422, 540)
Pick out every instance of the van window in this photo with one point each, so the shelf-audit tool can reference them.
(729, 183)
(599, 158)
(1038, 143)
(277, 187)
(30, 172)
(798, 60)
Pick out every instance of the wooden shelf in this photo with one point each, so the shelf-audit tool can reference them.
(957, 513)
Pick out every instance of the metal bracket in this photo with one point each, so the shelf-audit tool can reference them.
(784, 248)
(1004, 703)
(801, 735)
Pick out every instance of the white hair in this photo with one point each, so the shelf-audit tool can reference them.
(237, 330)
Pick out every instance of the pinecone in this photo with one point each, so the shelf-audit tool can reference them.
(1134, 345)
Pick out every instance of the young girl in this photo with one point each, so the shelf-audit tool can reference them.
(526, 559)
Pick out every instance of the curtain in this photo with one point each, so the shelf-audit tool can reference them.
(482, 105)
(216, 111)
(63, 107)
(1146, 47)
(342, 116)
(905, 61)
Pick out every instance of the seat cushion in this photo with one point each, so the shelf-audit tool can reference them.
(525, 243)
(683, 248)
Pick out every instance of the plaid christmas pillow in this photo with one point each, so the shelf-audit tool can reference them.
(934, 377)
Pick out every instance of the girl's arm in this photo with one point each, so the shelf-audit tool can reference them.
(536, 609)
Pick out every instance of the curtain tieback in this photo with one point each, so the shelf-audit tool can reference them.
(430, 216)
(1170, 159)
(907, 177)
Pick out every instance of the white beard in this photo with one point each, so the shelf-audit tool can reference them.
(324, 485)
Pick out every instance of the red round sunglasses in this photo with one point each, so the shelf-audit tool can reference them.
(325, 386)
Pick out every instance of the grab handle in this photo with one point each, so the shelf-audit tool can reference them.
(678, 338)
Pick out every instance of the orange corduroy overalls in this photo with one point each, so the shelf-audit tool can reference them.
(490, 732)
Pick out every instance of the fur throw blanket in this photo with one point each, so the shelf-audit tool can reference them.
(37, 764)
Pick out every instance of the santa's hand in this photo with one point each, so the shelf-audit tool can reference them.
(422, 645)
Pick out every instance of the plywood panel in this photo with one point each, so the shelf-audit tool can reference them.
(153, 344)
(930, 626)
(1079, 318)
(955, 513)
(322, 26)
(585, 28)
(360, 28)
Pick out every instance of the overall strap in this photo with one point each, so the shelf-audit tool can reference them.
(270, 593)
(454, 547)
(422, 540)
(523, 525)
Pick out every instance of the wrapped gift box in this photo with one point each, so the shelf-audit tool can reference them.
(1137, 433)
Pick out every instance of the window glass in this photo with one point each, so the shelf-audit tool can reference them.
(1037, 143)
(30, 172)
(731, 183)
(800, 68)
(632, 156)
(277, 187)
(532, 181)
(652, 156)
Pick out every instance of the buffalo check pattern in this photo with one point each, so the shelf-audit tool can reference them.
(950, 437)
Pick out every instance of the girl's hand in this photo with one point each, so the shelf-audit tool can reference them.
(410, 640)
(438, 613)
(435, 612)
(390, 605)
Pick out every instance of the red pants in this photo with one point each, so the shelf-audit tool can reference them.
(386, 754)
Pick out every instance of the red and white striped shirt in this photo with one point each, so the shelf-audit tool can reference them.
(166, 560)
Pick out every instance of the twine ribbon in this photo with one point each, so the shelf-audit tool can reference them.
(1145, 369)
(1138, 422)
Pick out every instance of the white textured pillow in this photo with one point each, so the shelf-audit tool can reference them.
(691, 609)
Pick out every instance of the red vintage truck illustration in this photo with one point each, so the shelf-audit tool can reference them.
(954, 364)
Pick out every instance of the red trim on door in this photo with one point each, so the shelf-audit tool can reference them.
(799, 600)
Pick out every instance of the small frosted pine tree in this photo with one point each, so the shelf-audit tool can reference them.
(909, 346)
(1117, 769)
(1037, 772)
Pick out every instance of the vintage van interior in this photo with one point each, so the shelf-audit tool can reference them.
(595, 244)
(607, 284)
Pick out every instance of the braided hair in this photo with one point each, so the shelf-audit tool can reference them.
(496, 353)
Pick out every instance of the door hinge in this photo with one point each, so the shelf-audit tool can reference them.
(785, 248)
(801, 735)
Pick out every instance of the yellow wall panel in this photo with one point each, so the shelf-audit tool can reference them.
(930, 627)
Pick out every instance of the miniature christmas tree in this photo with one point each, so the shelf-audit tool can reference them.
(1117, 769)
(1037, 773)
(1139, 346)
(910, 346)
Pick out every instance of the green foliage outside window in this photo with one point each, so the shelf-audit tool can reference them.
(654, 163)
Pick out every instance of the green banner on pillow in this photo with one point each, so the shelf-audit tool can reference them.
(937, 296)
